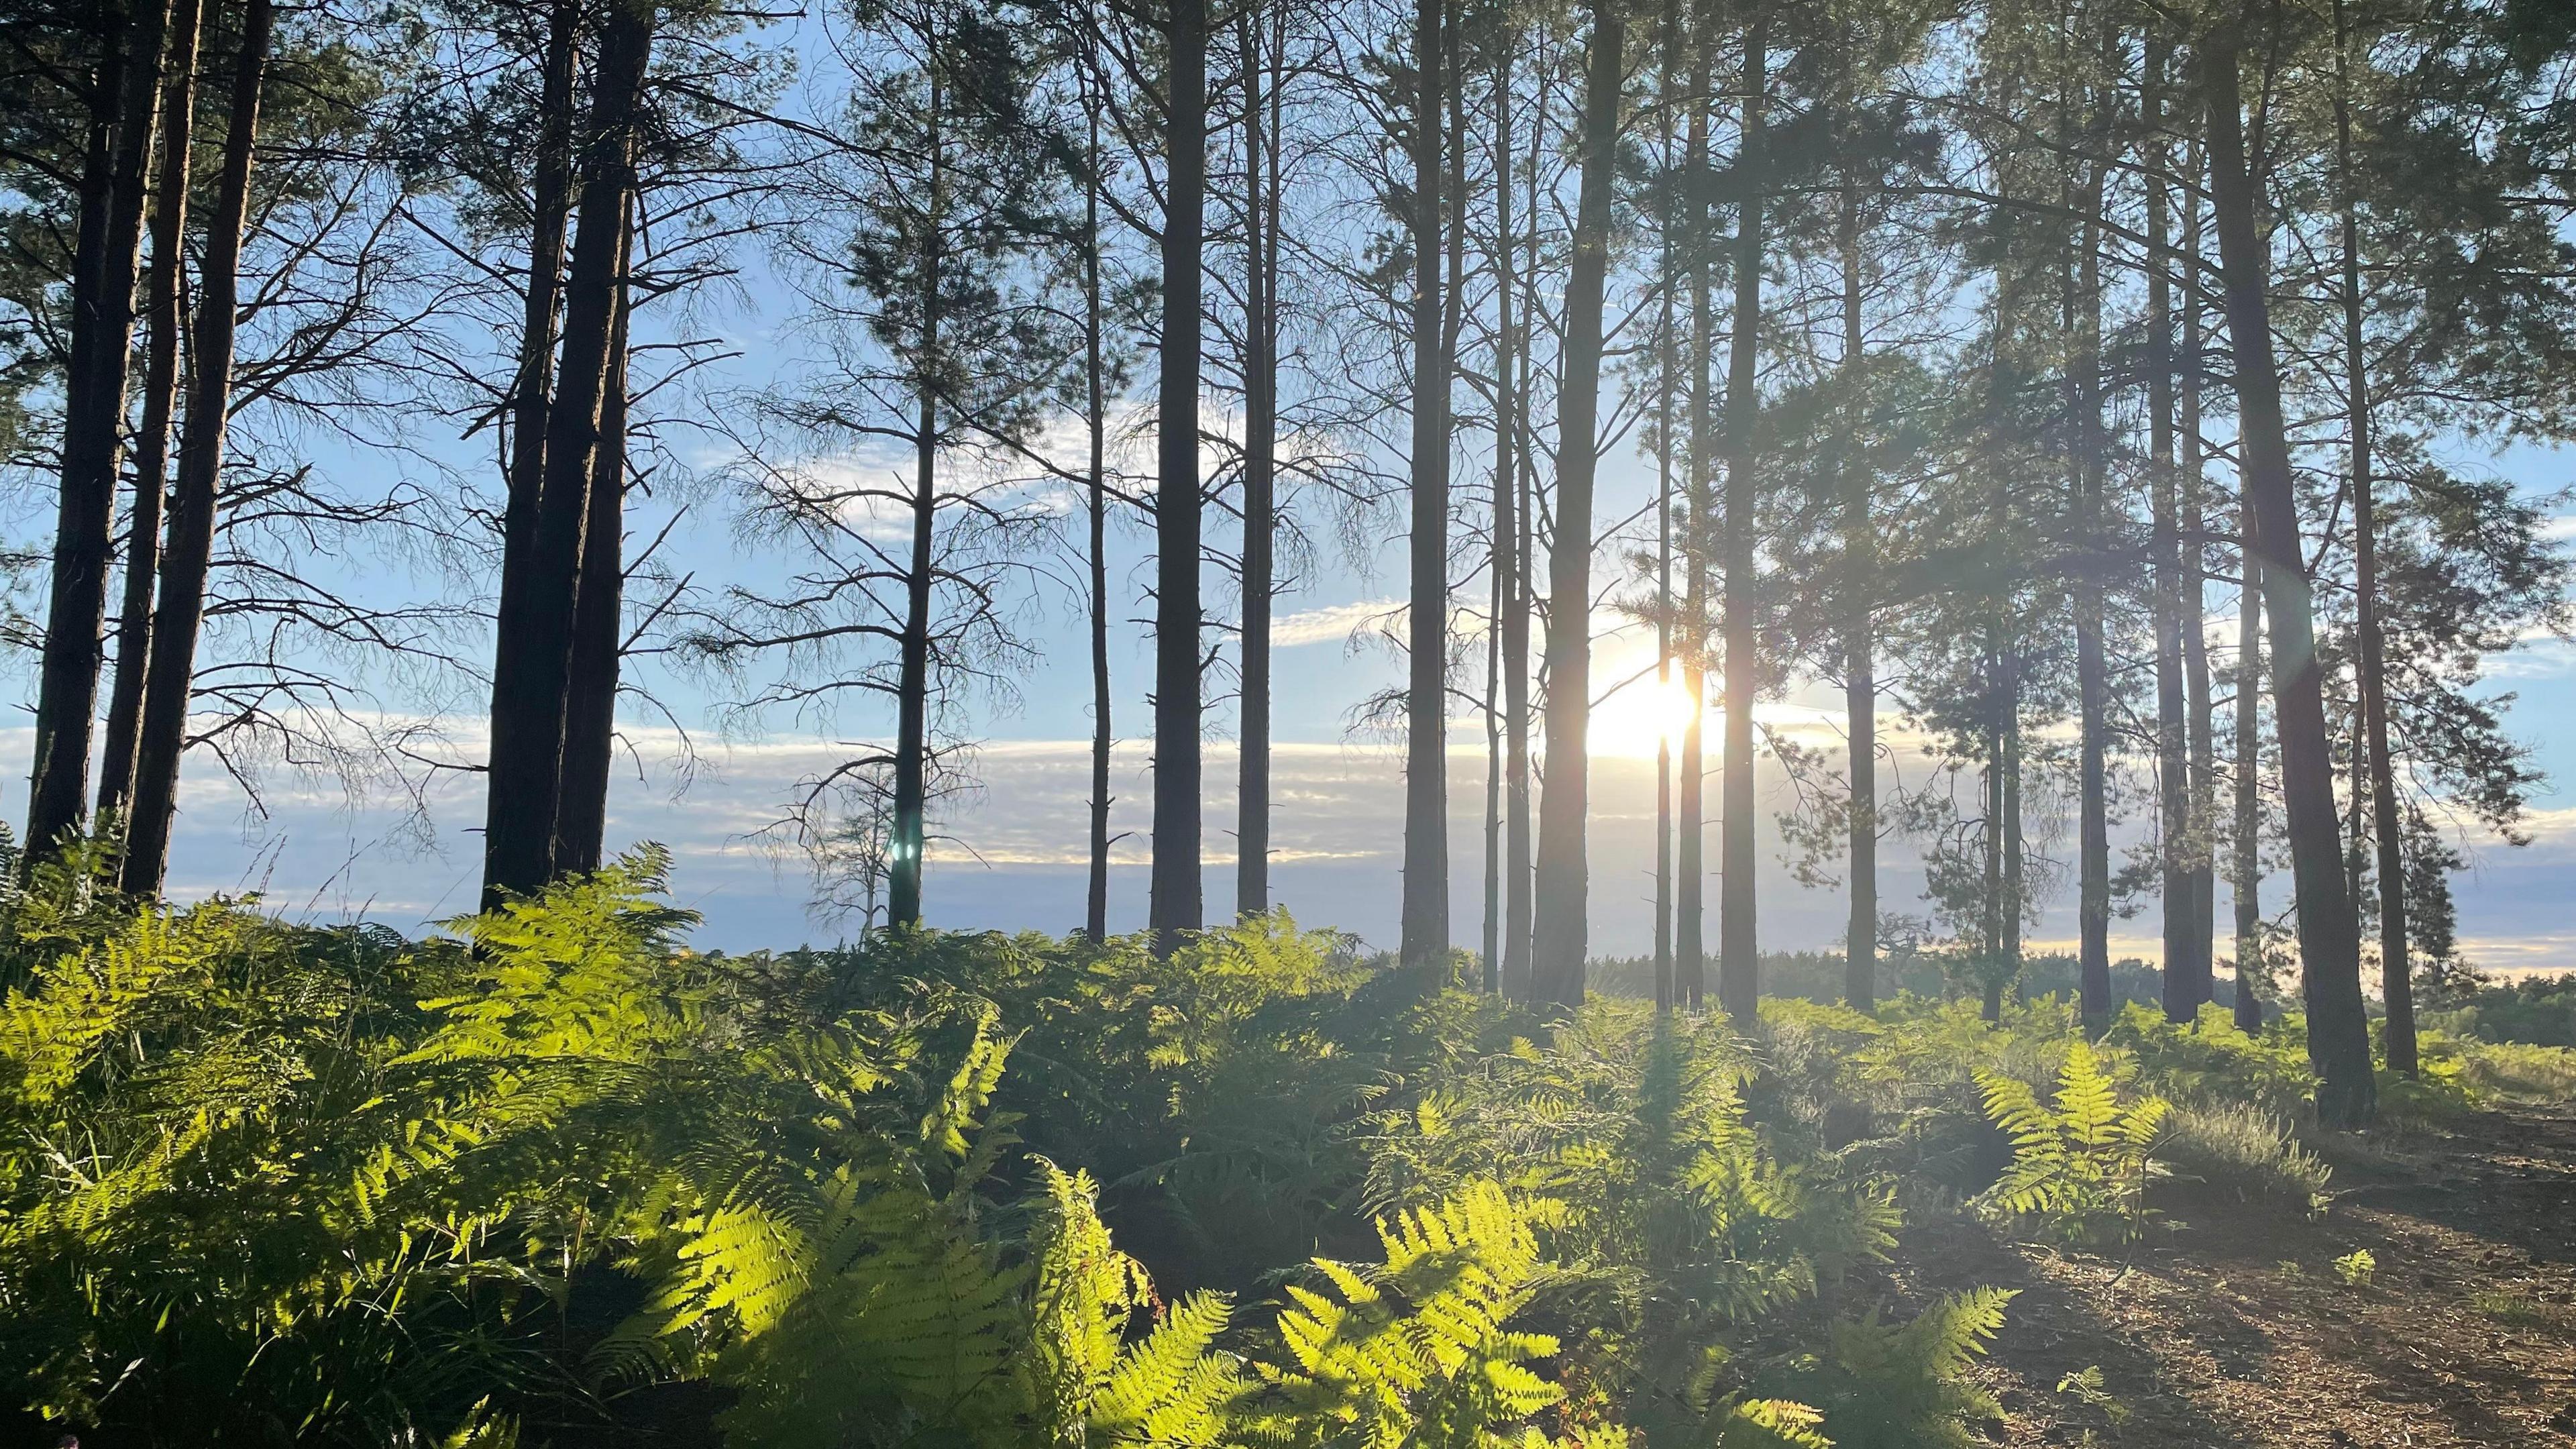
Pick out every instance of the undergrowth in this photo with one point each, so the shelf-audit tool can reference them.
(550, 1176)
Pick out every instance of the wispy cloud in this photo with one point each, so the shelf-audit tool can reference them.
(1335, 623)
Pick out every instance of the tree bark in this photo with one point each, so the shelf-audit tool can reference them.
(106, 256)
(1860, 649)
(1425, 922)
(1095, 916)
(1739, 967)
(912, 682)
(2016, 892)
(1667, 364)
(2329, 948)
(2093, 848)
(1512, 490)
(2396, 962)
(532, 388)
(2201, 737)
(1690, 927)
(1177, 908)
(164, 291)
(2185, 985)
(2246, 880)
(1260, 513)
(1564, 881)
(184, 563)
(599, 609)
(532, 661)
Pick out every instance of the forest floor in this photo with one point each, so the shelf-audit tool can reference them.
(2229, 1327)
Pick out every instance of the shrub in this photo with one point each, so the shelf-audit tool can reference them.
(2519, 1072)
(2356, 1268)
(2209, 1060)
(2244, 1152)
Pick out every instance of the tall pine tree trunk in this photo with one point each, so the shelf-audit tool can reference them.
(1260, 513)
(1095, 915)
(1667, 367)
(532, 657)
(2093, 848)
(2186, 986)
(1177, 907)
(2329, 947)
(2245, 880)
(1564, 874)
(164, 291)
(1860, 647)
(2194, 625)
(599, 608)
(1690, 928)
(1739, 968)
(532, 389)
(1425, 924)
(2396, 963)
(1511, 484)
(184, 563)
(1995, 905)
(912, 680)
(126, 87)
(2016, 857)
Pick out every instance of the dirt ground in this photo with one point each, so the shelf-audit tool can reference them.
(2230, 1326)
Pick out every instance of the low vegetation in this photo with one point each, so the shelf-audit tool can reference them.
(550, 1177)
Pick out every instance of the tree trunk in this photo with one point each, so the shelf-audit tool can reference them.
(2093, 847)
(1095, 916)
(1426, 775)
(2246, 874)
(1564, 880)
(106, 256)
(1991, 1000)
(2185, 987)
(531, 399)
(1860, 649)
(1512, 483)
(184, 564)
(2396, 963)
(1260, 410)
(1690, 928)
(164, 296)
(1667, 363)
(1176, 908)
(2202, 805)
(912, 682)
(599, 609)
(1739, 968)
(2016, 891)
(532, 660)
(2329, 948)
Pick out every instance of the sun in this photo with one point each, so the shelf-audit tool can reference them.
(1648, 713)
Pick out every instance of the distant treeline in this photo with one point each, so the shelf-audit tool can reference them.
(2539, 1011)
(1818, 976)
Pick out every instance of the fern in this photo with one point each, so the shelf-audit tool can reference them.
(1886, 1386)
(2080, 1164)
(1170, 1388)
(1419, 1351)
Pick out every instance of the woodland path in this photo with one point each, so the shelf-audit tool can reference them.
(2206, 1337)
